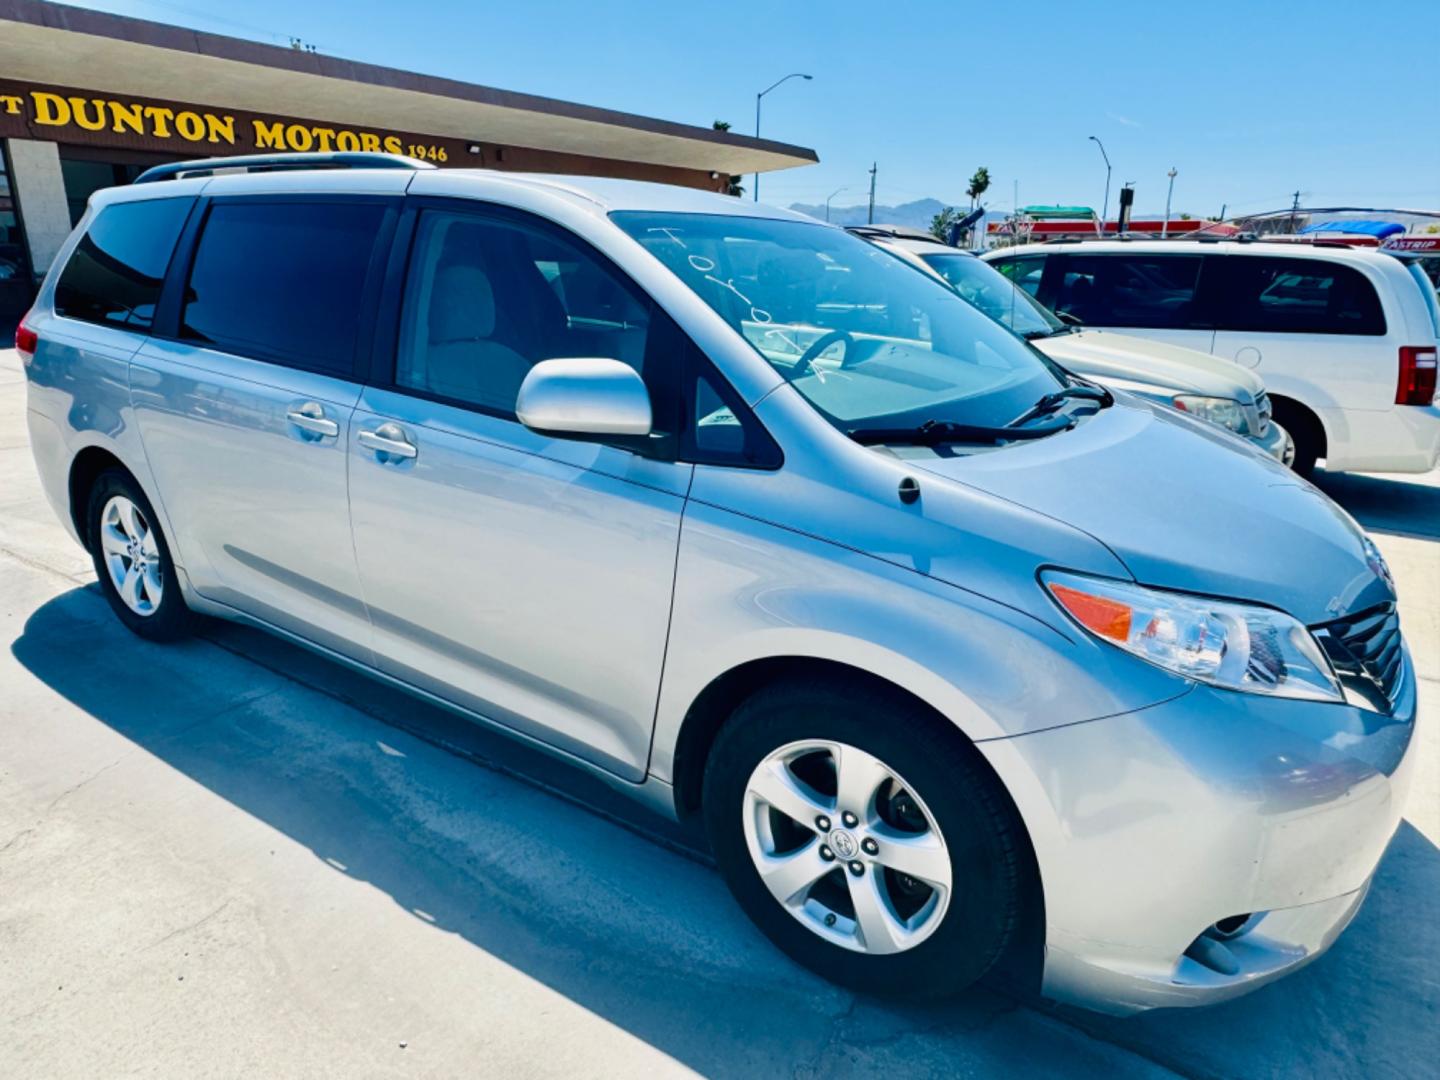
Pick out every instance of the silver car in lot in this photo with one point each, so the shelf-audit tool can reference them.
(942, 646)
(1194, 382)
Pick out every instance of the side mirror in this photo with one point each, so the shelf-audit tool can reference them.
(584, 399)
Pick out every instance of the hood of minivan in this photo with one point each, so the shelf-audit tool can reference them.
(1102, 355)
(1186, 507)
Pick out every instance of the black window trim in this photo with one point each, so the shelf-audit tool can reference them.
(385, 341)
(166, 324)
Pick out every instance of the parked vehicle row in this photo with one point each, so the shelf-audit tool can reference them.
(1344, 338)
(1193, 382)
(949, 650)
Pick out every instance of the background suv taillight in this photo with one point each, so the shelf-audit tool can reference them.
(26, 341)
(1417, 375)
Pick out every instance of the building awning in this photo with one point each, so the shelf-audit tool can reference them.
(66, 46)
(1378, 229)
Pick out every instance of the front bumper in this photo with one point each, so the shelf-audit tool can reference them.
(1275, 442)
(1152, 826)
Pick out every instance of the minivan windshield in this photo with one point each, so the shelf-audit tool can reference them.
(870, 342)
(994, 294)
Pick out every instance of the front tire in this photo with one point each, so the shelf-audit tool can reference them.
(132, 559)
(865, 837)
(1306, 433)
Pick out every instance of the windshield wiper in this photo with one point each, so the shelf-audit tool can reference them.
(935, 432)
(1048, 332)
(1052, 401)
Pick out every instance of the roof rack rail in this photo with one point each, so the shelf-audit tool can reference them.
(248, 163)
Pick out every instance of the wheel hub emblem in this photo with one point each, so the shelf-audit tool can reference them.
(843, 844)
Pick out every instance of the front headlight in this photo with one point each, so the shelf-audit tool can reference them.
(1236, 646)
(1217, 410)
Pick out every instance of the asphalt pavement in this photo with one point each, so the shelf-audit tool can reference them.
(230, 856)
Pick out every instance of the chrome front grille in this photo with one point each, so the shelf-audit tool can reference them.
(1365, 650)
(1262, 413)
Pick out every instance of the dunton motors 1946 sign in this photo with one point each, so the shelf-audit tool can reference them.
(94, 118)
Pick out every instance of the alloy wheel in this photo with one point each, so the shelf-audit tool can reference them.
(131, 555)
(847, 846)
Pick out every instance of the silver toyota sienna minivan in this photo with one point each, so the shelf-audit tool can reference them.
(765, 528)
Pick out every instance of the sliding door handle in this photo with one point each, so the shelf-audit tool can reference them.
(311, 417)
(388, 439)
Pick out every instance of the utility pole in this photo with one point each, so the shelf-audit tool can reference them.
(1294, 209)
(1165, 228)
(870, 218)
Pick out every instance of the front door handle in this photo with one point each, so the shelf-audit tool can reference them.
(311, 417)
(388, 439)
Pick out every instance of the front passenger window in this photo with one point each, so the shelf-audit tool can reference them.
(489, 298)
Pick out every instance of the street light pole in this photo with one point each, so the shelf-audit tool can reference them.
(761, 94)
(1165, 228)
(832, 194)
(1105, 206)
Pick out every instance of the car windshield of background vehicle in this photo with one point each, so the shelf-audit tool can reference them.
(866, 339)
(992, 292)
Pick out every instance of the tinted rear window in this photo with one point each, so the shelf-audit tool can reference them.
(282, 281)
(115, 274)
(1152, 291)
(1297, 296)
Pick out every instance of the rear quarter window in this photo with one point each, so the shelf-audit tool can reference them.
(1280, 295)
(115, 273)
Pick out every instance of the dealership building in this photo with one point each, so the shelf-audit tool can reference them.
(89, 100)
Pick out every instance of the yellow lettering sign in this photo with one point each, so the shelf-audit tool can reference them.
(160, 118)
(127, 116)
(110, 117)
(190, 126)
(269, 135)
(79, 110)
(219, 129)
(50, 109)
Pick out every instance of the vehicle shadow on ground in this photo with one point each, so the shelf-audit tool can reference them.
(645, 937)
(1386, 503)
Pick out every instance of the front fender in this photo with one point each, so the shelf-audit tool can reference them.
(746, 590)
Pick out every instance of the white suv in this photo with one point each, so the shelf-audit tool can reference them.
(1344, 338)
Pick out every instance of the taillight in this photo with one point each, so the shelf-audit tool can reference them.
(1417, 375)
(26, 341)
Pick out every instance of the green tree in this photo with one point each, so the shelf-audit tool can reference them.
(941, 222)
(732, 184)
(979, 184)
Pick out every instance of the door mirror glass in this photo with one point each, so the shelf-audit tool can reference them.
(584, 398)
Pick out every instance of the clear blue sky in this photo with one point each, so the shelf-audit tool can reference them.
(1248, 100)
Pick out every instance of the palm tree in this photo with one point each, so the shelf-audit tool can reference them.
(732, 185)
(979, 184)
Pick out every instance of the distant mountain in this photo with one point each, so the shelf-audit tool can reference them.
(917, 214)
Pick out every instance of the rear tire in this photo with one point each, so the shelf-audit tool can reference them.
(132, 559)
(827, 926)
